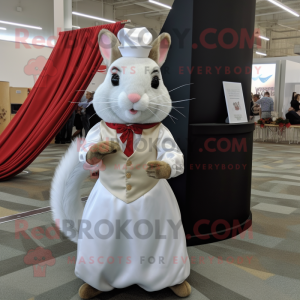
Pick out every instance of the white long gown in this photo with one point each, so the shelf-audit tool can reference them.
(149, 250)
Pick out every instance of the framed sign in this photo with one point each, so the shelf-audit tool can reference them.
(235, 102)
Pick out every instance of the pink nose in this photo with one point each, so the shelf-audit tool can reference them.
(134, 97)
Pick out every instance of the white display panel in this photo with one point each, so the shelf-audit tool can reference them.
(263, 79)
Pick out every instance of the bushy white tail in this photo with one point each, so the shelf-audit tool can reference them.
(65, 198)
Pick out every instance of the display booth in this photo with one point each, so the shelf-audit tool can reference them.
(280, 77)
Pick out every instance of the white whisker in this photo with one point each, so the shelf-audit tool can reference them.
(179, 112)
(100, 97)
(166, 105)
(178, 100)
(108, 98)
(93, 100)
(184, 100)
(172, 90)
(158, 117)
(92, 116)
(108, 102)
(181, 87)
(172, 120)
(164, 112)
(153, 113)
(159, 96)
(108, 108)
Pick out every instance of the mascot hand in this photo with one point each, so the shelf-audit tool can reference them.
(99, 150)
(158, 169)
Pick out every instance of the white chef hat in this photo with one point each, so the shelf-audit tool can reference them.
(135, 42)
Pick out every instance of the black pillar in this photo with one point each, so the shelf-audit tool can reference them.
(212, 42)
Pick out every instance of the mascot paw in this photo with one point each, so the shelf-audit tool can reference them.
(88, 292)
(158, 169)
(99, 150)
(107, 147)
(182, 290)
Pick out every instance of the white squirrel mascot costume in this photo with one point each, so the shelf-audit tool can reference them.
(130, 230)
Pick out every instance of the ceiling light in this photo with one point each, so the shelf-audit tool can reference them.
(260, 53)
(92, 17)
(264, 38)
(75, 26)
(22, 25)
(281, 5)
(2, 28)
(161, 4)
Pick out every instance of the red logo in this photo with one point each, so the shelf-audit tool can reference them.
(39, 258)
(35, 67)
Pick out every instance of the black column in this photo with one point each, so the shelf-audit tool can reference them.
(212, 42)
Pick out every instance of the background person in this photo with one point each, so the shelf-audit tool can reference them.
(267, 105)
(78, 124)
(94, 118)
(69, 127)
(61, 136)
(65, 134)
(84, 102)
(297, 97)
(254, 110)
(293, 114)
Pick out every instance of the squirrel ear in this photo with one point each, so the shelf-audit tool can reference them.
(160, 48)
(108, 44)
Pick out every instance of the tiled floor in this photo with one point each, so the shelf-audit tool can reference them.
(263, 264)
(30, 189)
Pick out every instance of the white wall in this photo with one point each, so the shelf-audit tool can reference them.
(292, 72)
(14, 59)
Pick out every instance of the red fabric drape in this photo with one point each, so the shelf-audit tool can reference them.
(70, 68)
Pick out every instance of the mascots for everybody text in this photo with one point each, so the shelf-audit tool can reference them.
(130, 230)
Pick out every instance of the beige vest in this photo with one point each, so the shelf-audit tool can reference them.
(126, 177)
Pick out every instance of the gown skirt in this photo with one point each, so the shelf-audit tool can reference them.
(139, 243)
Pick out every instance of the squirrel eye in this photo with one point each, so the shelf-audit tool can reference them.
(115, 79)
(155, 82)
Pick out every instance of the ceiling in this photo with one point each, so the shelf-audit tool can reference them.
(281, 27)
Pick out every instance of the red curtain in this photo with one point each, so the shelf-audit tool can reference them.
(70, 68)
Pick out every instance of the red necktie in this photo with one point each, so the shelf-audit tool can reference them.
(127, 133)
